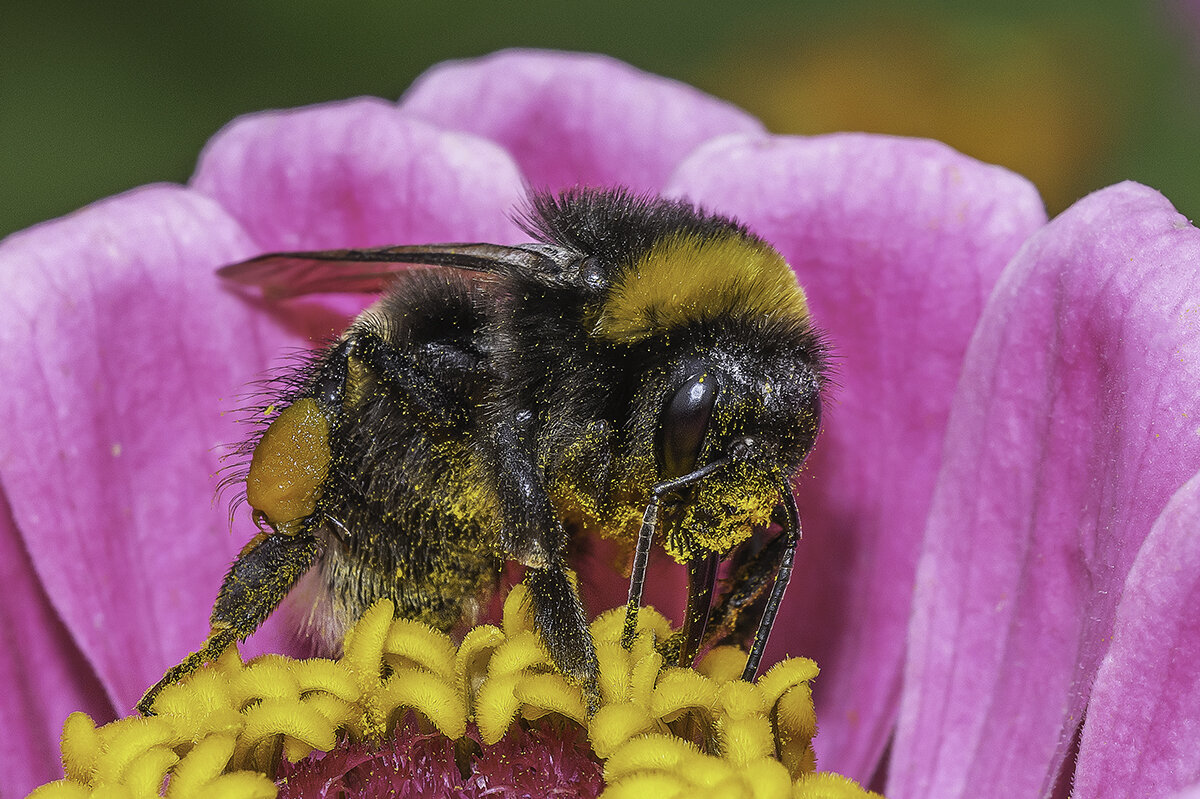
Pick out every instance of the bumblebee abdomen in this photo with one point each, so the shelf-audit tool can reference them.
(408, 521)
(415, 528)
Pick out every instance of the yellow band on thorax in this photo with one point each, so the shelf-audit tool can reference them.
(685, 279)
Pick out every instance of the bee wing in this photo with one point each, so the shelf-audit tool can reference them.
(370, 271)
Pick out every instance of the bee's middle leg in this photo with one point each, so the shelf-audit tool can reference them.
(532, 535)
(559, 618)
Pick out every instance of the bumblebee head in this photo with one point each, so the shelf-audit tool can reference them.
(750, 399)
(731, 366)
(712, 328)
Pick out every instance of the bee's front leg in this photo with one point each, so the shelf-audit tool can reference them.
(748, 592)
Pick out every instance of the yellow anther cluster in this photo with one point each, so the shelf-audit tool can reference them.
(659, 728)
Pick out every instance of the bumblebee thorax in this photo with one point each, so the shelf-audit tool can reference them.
(688, 278)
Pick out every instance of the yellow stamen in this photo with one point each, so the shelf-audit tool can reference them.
(220, 731)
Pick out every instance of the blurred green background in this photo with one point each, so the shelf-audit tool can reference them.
(98, 97)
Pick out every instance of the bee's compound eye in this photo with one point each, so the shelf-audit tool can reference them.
(684, 423)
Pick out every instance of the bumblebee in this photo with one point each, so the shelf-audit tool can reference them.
(644, 369)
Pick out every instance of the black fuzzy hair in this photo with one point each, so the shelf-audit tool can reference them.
(617, 224)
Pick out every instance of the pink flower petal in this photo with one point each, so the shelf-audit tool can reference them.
(359, 173)
(1141, 738)
(128, 356)
(897, 243)
(1073, 425)
(45, 676)
(575, 119)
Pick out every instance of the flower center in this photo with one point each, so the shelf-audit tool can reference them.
(534, 759)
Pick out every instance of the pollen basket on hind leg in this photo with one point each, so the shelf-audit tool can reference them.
(289, 464)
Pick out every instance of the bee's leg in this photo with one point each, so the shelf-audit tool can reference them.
(637, 576)
(737, 611)
(791, 537)
(778, 555)
(641, 553)
(559, 618)
(702, 578)
(532, 535)
(257, 581)
(284, 486)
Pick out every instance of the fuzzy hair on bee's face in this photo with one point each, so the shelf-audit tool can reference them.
(675, 287)
(767, 409)
(686, 334)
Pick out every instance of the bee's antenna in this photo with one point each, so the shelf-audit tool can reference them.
(641, 555)
(782, 577)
